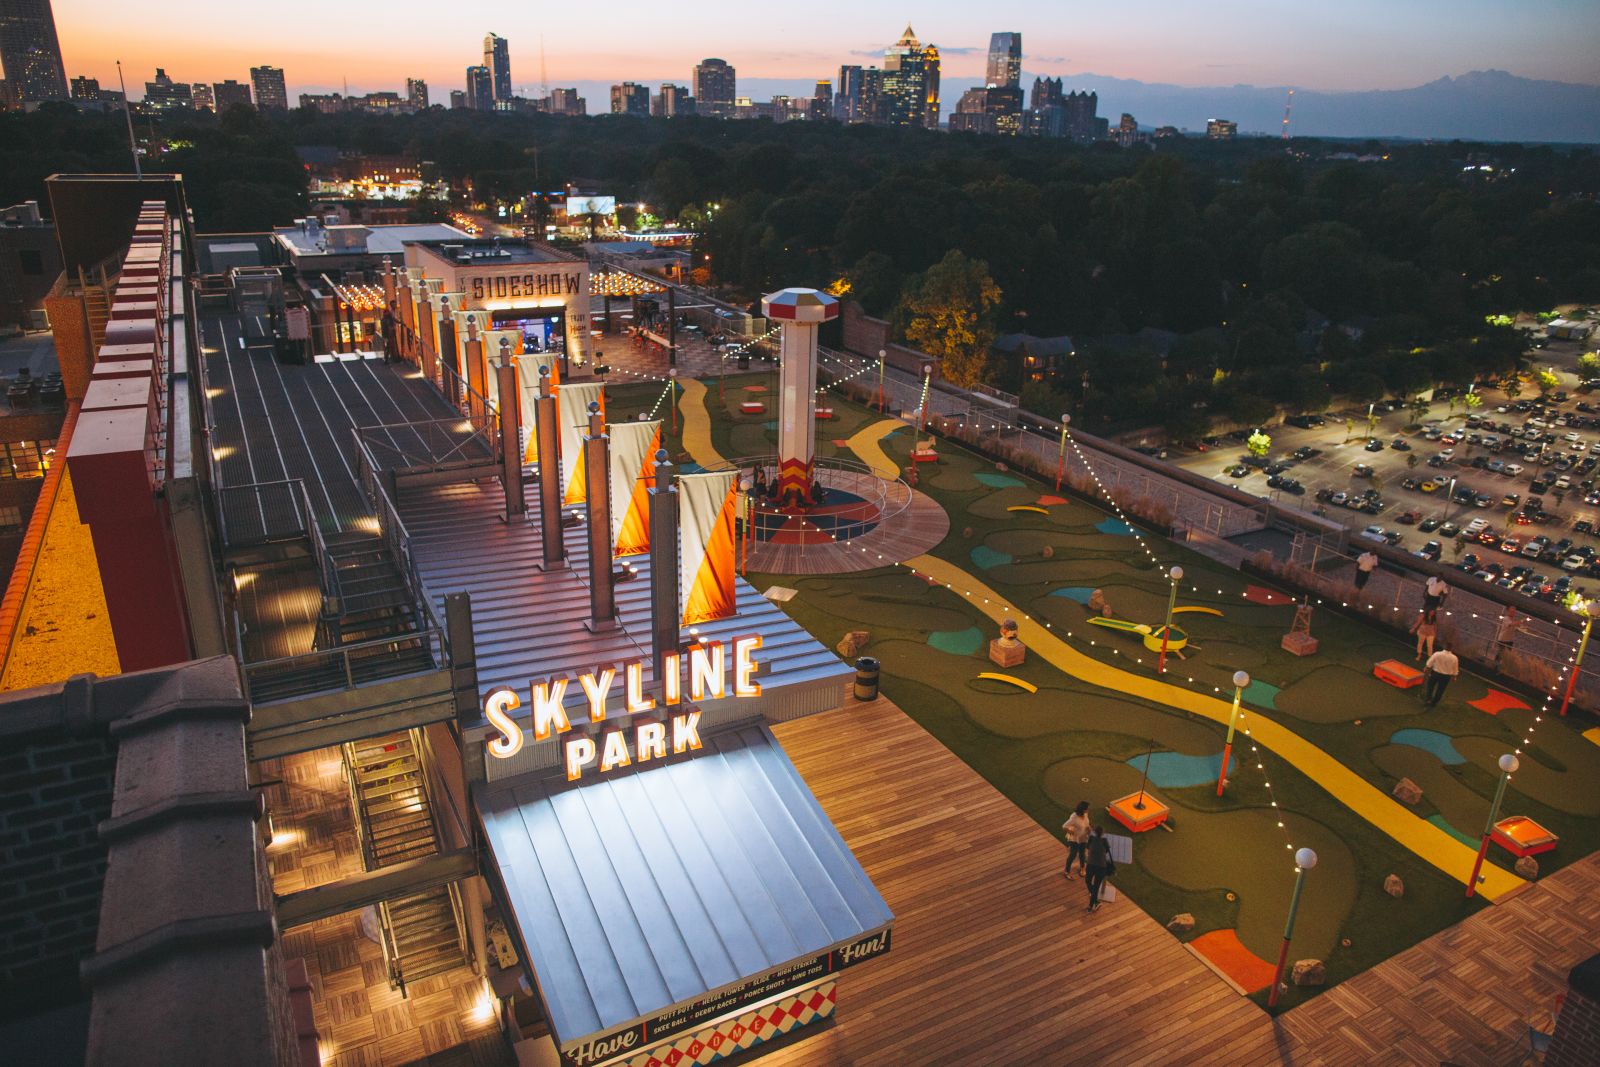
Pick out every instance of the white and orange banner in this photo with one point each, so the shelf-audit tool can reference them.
(572, 413)
(706, 510)
(528, 391)
(633, 472)
(491, 353)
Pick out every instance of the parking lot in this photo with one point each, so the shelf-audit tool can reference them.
(1508, 491)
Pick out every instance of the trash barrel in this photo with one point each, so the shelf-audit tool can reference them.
(866, 678)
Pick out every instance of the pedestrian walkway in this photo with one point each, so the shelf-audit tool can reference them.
(1428, 841)
(867, 444)
(697, 425)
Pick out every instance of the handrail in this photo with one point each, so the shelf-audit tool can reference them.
(442, 441)
(434, 638)
(393, 531)
(479, 410)
(333, 596)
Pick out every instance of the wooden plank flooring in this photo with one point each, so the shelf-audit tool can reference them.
(994, 959)
(313, 830)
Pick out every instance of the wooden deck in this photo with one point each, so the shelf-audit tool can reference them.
(994, 959)
(1464, 996)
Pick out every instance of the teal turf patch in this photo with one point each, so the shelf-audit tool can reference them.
(957, 642)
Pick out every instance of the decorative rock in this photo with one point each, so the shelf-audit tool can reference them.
(1049, 551)
(1407, 792)
(1181, 924)
(1098, 604)
(966, 531)
(1001, 467)
(1394, 886)
(1527, 867)
(1308, 972)
(853, 642)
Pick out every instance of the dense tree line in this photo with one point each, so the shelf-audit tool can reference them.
(1198, 280)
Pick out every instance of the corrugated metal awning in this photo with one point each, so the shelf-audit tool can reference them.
(653, 889)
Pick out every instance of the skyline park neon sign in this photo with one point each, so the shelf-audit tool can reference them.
(708, 680)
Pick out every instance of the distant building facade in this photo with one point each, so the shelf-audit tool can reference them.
(910, 83)
(992, 109)
(497, 58)
(480, 88)
(566, 102)
(416, 94)
(326, 103)
(674, 101)
(822, 100)
(458, 100)
(1005, 61)
(715, 87)
(1221, 129)
(30, 52)
(1052, 113)
(272, 94)
(226, 94)
(164, 94)
(630, 98)
(201, 97)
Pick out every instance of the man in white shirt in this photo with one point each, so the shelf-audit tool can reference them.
(1440, 669)
(1366, 563)
(1434, 593)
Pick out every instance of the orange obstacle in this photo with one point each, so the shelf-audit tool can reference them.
(1521, 836)
(1400, 675)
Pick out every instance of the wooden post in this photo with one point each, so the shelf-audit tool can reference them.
(597, 481)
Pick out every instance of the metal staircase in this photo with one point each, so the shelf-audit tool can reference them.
(424, 933)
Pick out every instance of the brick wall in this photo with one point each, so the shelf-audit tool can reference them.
(866, 336)
(54, 792)
(1577, 1036)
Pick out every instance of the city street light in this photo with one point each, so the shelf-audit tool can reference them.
(1061, 460)
(1579, 606)
(881, 355)
(1449, 498)
(1240, 680)
(1508, 767)
(672, 390)
(1304, 860)
(1176, 574)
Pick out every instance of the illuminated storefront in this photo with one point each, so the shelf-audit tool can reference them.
(537, 291)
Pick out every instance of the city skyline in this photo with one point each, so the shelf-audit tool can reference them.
(1366, 46)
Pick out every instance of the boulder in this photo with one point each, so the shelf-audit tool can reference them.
(1001, 466)
(1049, 551)
(966, 531)
(1394, 886)
(853, 642)
(1527, 867)
(1181, 924)
(1308, 972)
(1407, 792)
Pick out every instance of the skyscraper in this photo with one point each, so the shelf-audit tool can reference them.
(458, 100)
(672, 102)
(497, 58)
(164, 94)
(714, 84)
(417, 94)
(271, 93)
(911, 83)
(1005, 60)
(990, 109)
(230, 94)
(480, 88)
(822, 100)
(566, 102)
(630, 98)
(200, 94)
(30, 52)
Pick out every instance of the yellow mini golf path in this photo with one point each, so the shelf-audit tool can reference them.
(697, 424)
(867, 443)
(1366, 800)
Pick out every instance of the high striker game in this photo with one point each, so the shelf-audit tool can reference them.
(799, 312)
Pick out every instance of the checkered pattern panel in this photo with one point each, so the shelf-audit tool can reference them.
(713, 1043)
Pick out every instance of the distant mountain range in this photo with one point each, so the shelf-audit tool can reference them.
(1484, 105)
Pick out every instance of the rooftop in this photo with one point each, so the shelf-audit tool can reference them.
(379, 240)
(492, 250)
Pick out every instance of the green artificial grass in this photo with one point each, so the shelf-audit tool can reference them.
(1072, 741)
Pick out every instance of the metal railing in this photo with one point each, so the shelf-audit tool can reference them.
(479, 410)
(266, 513)
(880, 500)
(436, 445)
(339, 665)
(398, 540)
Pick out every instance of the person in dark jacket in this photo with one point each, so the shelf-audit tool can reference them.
(1099, 866)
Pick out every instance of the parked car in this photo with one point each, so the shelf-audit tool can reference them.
(1510, 500)
(1450, 529)
(1374, 445)
(1477, 526)
(1373, 533)
(1432, 550)
(1399, 444)
(1362, 471)
(1408, 518)
(1429, 524)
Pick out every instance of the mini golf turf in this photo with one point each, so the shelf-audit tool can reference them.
(1039, 748)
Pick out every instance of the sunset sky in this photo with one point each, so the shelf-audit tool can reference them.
(376, 44)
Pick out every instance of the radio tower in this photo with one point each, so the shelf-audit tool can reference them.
(1288, 104)
(544, 79)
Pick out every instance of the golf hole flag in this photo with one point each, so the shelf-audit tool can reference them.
(633, 472)
(706, 506)
(572, 411)
(528, 388)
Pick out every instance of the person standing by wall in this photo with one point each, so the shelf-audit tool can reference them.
(1076, 830)
(1426, 628)
(1366, 563)
(1434, 592)
(1440, 669)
